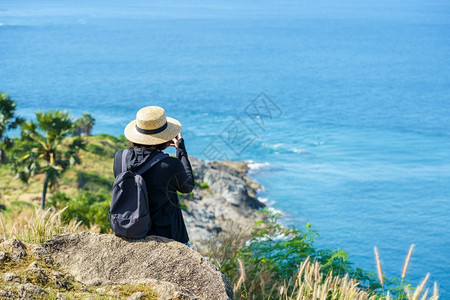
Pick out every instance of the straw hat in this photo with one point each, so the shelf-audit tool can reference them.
(152, 127)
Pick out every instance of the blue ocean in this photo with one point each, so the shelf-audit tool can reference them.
(342, 107)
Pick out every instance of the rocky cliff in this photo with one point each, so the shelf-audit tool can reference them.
(228, 196)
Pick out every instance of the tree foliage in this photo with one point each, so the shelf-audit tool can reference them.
(84, 125)
(46, 152)
(8, 121)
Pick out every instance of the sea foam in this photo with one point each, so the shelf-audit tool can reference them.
(254, 166)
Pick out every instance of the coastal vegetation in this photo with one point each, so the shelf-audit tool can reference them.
(43, 149)
(8, 121)
(83, 126)
(276, 262)
(269, 262)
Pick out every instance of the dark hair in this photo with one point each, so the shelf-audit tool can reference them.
(157, 147)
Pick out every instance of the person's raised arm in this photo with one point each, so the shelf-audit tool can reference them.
(183, 177)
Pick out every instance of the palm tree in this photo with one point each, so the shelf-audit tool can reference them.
(84, 125)
(47, 136)
(7, 121)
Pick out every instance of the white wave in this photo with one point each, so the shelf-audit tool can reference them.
(256, 166)
(274, 238)
(283, 148)
(272, 146)
(299, 151)
(275, 211)
(276, 146)
(263, 200)
(317, 143)
(1, 24)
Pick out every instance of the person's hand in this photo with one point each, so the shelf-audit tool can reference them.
(176, 140)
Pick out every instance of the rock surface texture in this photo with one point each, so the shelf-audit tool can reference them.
(104, 259)
(230, 197)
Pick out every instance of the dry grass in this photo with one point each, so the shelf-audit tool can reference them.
(419, 289)
(226, 245)
(311, 284)
(38, 226)
(407, 259)
(379, 270)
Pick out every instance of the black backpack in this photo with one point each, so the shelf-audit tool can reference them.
(129, 213)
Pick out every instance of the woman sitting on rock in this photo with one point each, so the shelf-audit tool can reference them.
(148, 135)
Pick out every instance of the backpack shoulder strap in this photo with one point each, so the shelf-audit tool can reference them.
(124, 160)
(154, 160)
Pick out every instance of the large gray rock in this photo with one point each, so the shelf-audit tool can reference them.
(229, 199)
(99, 259)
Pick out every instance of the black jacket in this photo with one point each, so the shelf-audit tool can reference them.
(163, 181)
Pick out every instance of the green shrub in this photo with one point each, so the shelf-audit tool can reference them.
(120, 140)
(108, 137)
(93, 182)
(95, 149)
(183, 197)
(204, 185)
(183, 206)
(20, 204)
(89, 209)
(271, 254)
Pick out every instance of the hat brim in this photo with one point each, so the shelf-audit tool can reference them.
(172, 130)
